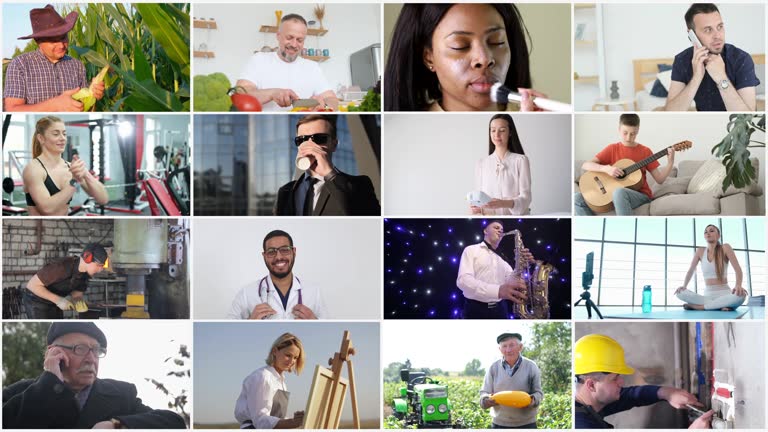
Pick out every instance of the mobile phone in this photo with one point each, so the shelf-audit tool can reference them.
(694, 40)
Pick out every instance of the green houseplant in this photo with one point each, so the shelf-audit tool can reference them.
(734, 149)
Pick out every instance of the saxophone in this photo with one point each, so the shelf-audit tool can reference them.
(536, 281)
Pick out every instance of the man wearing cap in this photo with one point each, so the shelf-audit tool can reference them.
(599, 367)
(45, 295)
(68, 394)
(512, 372)
(486, 278)
(45, 79)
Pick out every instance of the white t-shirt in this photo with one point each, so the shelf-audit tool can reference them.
(255, 401)
(267, 70)
(264, 291)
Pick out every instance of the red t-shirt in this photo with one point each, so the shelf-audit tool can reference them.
(617, 151)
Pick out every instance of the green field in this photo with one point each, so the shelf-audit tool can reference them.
(463, 392)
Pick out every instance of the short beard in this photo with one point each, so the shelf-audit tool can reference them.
(285, 56)
(283, 274)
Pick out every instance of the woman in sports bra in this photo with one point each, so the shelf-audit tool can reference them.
(49, 180)
(714, 261)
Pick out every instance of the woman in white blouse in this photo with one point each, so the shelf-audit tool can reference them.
(505, 174)
(263, 400)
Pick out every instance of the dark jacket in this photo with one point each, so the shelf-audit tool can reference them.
(46, 403)
(630, 397)
(344, 195)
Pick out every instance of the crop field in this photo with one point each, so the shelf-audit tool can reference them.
(463, 392)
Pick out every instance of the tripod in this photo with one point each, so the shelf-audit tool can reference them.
(586, 282)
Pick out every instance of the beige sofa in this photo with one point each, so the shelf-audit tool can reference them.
(677, 196)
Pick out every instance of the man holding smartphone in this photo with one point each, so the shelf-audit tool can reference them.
(69, 395)
(717, 75)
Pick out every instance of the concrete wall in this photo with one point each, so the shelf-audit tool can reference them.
(743, 355)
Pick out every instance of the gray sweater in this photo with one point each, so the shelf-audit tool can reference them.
(527, 379)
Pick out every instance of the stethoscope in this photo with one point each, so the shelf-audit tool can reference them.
(265, 299)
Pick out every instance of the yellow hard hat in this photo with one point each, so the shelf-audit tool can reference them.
(598, 353)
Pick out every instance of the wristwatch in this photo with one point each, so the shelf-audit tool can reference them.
(724, 84)
(74, 183)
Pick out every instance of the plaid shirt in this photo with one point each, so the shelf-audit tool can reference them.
(32, 77)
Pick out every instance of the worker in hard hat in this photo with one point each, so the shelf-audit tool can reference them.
(599, 367)
(512, 372)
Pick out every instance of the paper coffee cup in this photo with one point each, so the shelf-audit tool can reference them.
(303, 163)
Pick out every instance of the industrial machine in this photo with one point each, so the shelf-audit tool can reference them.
(423, 402)
(152, 251)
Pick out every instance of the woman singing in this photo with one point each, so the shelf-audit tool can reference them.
(49, 180)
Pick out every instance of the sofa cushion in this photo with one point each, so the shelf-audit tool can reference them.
(710, 175)
(686, 204)
(672, 185)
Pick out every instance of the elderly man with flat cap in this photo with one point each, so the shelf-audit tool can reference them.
(68, 395)
(45, 79)
(512, 372)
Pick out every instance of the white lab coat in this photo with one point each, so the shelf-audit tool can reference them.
(264, 291)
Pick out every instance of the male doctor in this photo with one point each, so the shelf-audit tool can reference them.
(280, 294)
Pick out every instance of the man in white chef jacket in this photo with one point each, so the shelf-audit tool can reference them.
(280, 294)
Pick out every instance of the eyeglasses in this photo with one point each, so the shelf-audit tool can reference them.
(82, 350)
(318, 138)
(284, 251)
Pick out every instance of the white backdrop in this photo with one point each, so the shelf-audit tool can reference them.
(341, 256)
(429, 161)
(659, 130)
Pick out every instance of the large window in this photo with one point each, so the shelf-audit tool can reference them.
(633, 252)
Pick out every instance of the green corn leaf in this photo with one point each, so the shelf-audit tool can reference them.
(163, 29)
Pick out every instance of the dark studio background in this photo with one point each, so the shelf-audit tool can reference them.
(421, 262)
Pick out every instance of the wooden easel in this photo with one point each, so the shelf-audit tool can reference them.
(336, 363)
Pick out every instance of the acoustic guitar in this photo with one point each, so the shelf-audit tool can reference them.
(597, 187)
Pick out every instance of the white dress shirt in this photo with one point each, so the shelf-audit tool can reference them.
(481, 273)
(507, 179)
(264, 291)
(255, 401)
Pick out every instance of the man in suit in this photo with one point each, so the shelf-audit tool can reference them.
(68, 395)
(323, 190)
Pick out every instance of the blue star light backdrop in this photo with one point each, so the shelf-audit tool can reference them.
(421, 262)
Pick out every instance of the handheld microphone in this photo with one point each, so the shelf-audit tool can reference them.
(502, 94)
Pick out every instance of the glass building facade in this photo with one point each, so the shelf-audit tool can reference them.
(241, 161)
(633, 252)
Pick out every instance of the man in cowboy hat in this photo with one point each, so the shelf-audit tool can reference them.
(68, 395)
(46, 79)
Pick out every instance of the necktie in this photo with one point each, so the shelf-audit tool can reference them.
(309, 198)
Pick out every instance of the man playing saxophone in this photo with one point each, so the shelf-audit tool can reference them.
(486, 279)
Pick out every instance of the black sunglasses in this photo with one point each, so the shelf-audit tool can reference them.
(318, 138)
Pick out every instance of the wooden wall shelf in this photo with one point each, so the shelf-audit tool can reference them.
(204, 54)
(310, 31)
(205, 24)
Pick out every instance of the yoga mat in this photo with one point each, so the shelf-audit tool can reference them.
(682, 314)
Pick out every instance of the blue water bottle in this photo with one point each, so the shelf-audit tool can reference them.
(647, 299)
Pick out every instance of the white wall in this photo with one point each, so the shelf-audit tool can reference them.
(655, 30)
(658, 130)
(341, 256)
(351, 27)
(429, 161)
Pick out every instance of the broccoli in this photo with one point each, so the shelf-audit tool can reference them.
(210, 92)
